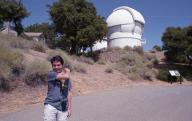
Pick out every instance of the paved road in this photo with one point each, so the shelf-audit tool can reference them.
(172, 103)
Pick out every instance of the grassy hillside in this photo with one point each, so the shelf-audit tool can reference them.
(28, 61)
(13, 62)
(133, 63)
(24, 65)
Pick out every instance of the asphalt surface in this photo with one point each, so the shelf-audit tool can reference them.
(171, 103)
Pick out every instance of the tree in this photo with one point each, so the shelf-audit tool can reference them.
(78, 23)
(1, 24)
(48, 32)
(178, 43)
(13, 11)
(42, 27)
(157, 47)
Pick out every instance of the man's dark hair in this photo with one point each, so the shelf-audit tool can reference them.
(57, 58)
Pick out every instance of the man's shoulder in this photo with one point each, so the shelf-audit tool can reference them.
(52, 75)
(52, 72)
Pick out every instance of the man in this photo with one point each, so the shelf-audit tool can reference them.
(58, 101)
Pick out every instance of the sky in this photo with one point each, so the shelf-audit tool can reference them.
(158, 14)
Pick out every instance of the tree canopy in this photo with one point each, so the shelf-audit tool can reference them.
(178, 43)
(42, 27)
(78, 24)
(13, 11)
(157, 47)
(1, 23)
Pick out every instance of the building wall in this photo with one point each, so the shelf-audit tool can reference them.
(122, 42)
(100, 45)
(125, 35)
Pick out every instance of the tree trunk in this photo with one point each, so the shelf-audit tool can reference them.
(8, 27)
(73, 48)
(91, 50)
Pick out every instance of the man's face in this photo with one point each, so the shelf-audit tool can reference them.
(57, 66)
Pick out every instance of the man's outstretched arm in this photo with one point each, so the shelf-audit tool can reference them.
(64, 75)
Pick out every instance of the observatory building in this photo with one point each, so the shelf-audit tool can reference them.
(100, 45)
(125, 28)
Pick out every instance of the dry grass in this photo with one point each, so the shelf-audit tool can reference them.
(86, 78)
(39, 46)
(132, 62)
(85, 60)
(109, 70)
(109, 55)
(101, 62)
(19, 42)
(80, 68)
(10, 61)
(36, 72)
(16, 42)
(95, 79)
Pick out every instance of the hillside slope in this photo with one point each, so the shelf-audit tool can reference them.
(87, 77)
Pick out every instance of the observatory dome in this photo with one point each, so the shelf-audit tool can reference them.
(125, 27)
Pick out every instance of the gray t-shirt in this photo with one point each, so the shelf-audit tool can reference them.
(55, 96)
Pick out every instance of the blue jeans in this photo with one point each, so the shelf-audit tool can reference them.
(52, 114)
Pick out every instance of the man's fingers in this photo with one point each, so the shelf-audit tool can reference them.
(67, 70)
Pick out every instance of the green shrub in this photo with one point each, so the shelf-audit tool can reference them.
(10, 57)
(163, 75)
(5, 70)
(135, 66)
(150, 60)
(4, 76)
(140, 73)
(155, 61)
(157, 48)
(139, 50)
(148, 75)
(4, 85)
(109, 70)
(40, 47)
(11, 61)
(6, 55)
(36, 73)
(137, 73)
(131, 59)
(128, 48)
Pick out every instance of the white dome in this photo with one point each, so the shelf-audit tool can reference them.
(125, 27)
(124, 15)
